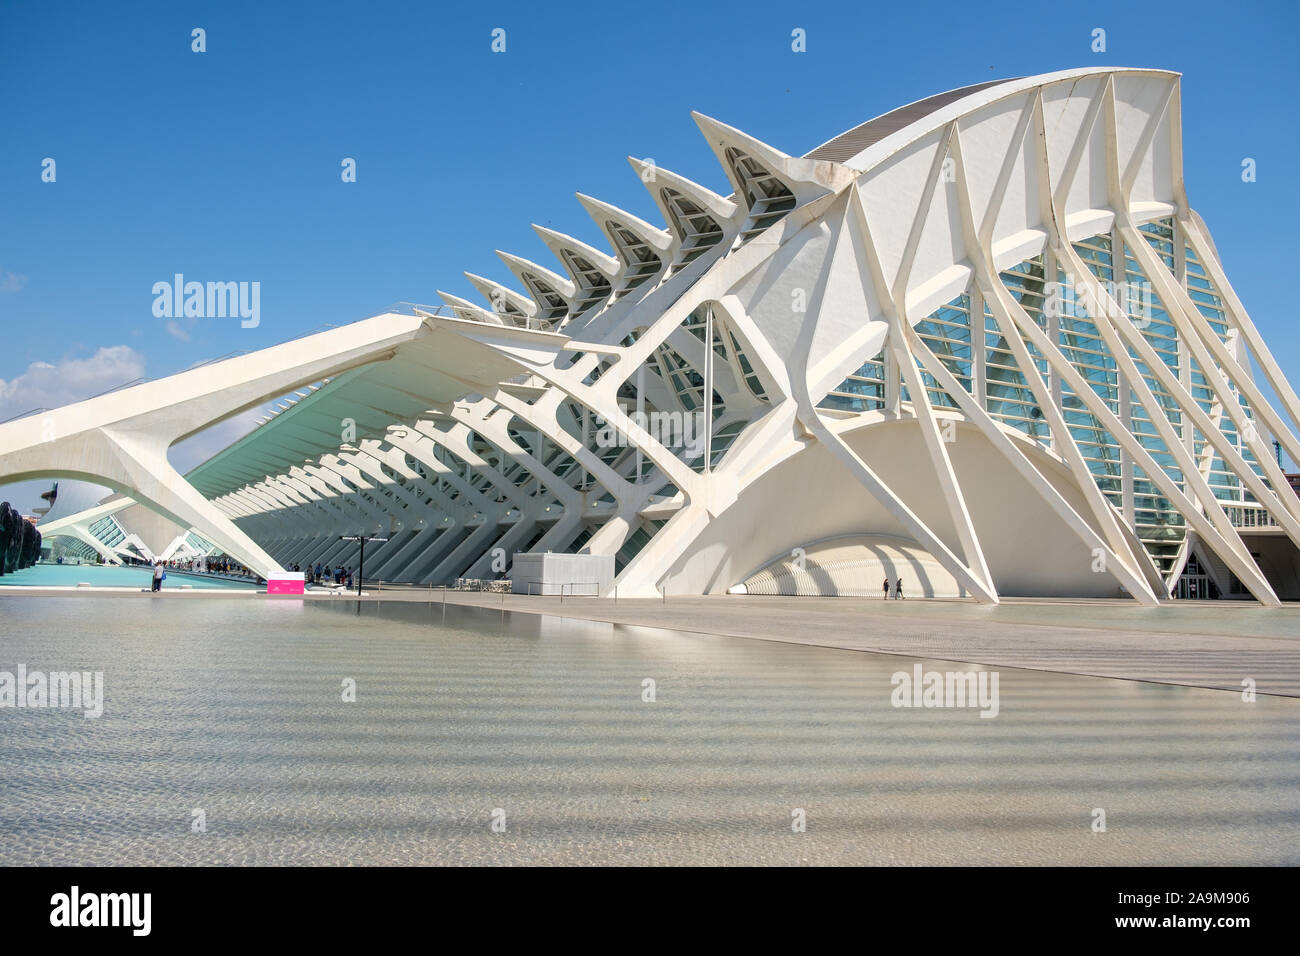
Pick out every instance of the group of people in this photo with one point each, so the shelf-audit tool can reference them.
(217, 566)
(317, 575)
(325, 575)
(898, 590)
(223, 566)
(199, 565)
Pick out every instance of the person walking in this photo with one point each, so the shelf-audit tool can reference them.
(898, 591)
(886, 588)
(158, 573)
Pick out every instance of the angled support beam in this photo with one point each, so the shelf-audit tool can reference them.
(1277, 380)
(1283, 513)
(923, 411)
(1244, 569)
(1226, 365)
(1002, 306)
(814, 423)
(1118, 566)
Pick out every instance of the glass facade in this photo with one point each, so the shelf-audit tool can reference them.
(1062, 313)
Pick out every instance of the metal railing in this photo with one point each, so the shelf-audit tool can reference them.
(1249, 516)
(563, 585)
(491, 585)
(29, 412)
(118, 388)
(418, 308)
(220, 358)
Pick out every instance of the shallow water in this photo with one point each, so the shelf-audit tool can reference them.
(234, 707)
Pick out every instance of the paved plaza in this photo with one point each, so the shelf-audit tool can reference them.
(1213, 644)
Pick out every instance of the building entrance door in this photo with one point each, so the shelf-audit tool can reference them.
(1194, 584)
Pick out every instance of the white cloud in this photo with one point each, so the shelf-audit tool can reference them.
(11, 281)
(49, 385)
(46, 385)
(176, 331)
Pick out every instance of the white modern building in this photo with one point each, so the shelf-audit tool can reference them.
(981, 343)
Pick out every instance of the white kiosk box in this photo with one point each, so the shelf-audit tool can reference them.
(286, 582)
(566, 575)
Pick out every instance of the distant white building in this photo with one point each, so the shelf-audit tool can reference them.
(981, 343)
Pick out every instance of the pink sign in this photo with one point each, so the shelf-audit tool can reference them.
(285, 583)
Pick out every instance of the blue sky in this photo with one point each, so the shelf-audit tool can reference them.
(225, 165)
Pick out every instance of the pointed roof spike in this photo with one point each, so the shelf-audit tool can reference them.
(721, 136)
(656, 177)
(492, 290)
(717, 132)
(557, 241)
(468, 310)
(806, 178)
(604, 213)
(518, 265)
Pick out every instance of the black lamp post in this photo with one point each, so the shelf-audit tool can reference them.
(361, 558)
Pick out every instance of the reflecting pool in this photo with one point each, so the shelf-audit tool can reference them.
(230, 713)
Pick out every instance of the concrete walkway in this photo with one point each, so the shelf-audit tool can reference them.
(1207, 644)
(1213, 644)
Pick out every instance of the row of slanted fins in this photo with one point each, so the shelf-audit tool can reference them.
(287, 403)
(768, 184)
